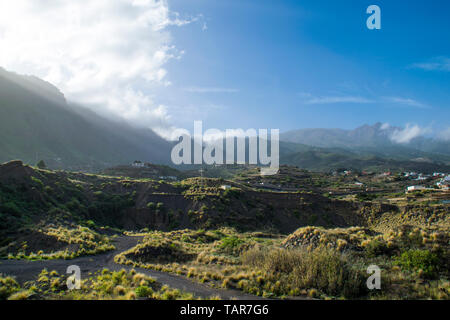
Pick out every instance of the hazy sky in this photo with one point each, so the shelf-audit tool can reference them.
(240, 63)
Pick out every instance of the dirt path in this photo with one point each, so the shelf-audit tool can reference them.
(25, 270)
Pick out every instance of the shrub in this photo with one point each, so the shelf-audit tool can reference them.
(8, 286)
(230, 243)
(415, 260)
(21, 295)
(120, 290)
(131, 295)
(143, 291)
(323, 269)
(376, 247)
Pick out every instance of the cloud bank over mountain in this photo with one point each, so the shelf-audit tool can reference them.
(381, 137)
(408, 133)
(107, 55)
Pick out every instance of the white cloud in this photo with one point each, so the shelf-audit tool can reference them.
(401, 101)
(338, 99)
(445, 135)
(436, 64)
(385, 126)
(408, 133)
(101, 53)
(210, 90)
(407, 102)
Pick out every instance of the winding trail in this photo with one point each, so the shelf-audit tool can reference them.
(25, 270)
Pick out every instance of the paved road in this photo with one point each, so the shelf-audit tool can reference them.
(25, 270)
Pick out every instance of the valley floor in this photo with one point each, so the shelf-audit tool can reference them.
(26, 270)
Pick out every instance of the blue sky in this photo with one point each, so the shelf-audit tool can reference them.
(239, 63)
(303, 64)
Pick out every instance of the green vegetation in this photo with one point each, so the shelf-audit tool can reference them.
(423, 261)
(414, 260)
(294, 271)
(65, 244)
(8, 287)
(313, 261)
(230, 243)
(103, 285)
(296, 233)
(264, 235)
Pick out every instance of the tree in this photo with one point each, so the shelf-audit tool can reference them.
(41, 165)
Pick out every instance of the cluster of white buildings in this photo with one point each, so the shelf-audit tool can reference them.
(423, 176)
(443, 183)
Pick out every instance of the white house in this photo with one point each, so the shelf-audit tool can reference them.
(415, 188)
(138, 164)
(225, 187)
(168, 178)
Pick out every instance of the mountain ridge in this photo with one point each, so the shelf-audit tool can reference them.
(372, 137)
(37, 123)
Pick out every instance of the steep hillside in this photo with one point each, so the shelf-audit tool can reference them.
(33, 198)
(36, 123)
